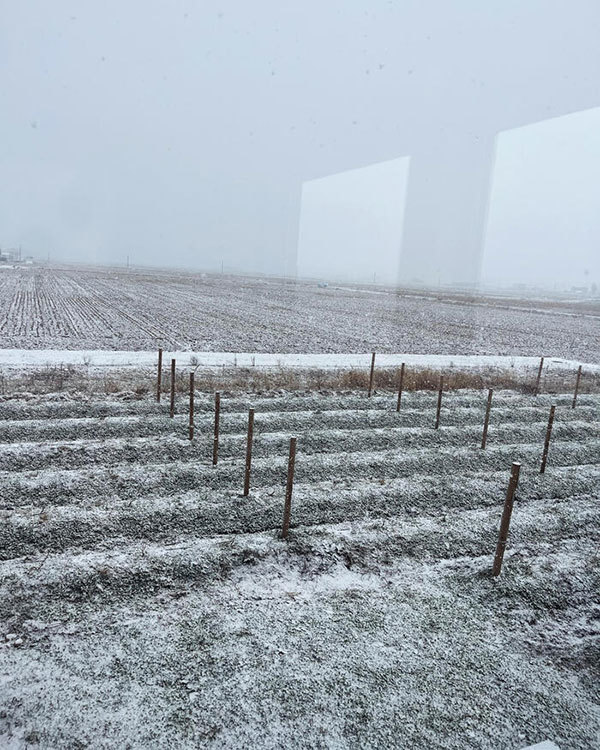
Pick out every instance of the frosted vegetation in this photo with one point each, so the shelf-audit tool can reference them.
(146, 603)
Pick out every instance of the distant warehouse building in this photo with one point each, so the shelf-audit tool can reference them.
(10, 255)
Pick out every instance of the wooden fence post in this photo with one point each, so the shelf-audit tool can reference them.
(159, 375)
(505, 522)
(400, 387)
(487, 418)
(216, 437)
(191, 429)
(372, 374)
(539, 377)
(248, 452)
(439, 402)
(547, 441)
(287, 509)
(172, 388)
(576, 387)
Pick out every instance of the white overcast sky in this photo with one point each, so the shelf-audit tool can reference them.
(183, 132)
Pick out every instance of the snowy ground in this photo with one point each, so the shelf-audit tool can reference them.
(100, 308)
(20, 359)
(146, 603)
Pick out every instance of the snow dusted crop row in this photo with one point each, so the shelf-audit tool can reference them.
(141, 593)
(83, 309)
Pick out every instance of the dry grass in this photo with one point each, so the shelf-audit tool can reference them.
(139, 383)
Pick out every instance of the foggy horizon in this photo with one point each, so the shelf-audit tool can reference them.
(259, 138)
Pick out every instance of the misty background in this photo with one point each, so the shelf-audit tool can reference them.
(426, 141)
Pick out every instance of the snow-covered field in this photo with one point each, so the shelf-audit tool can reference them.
(100, 308)
(146, 603)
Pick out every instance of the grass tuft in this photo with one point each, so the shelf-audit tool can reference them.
(140, 383)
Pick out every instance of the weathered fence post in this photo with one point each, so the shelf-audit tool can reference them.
(248, 452)
(486, 422)
(172, 388)
(216, 437)
(505, 522)
(372, 374)
(191, 435)
(400, 387)
(159, 375)
(539, 377)
(576, 387)
(547, 441)
(439, 402)
(287, 509)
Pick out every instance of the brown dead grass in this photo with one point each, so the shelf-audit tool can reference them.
(141, 383)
